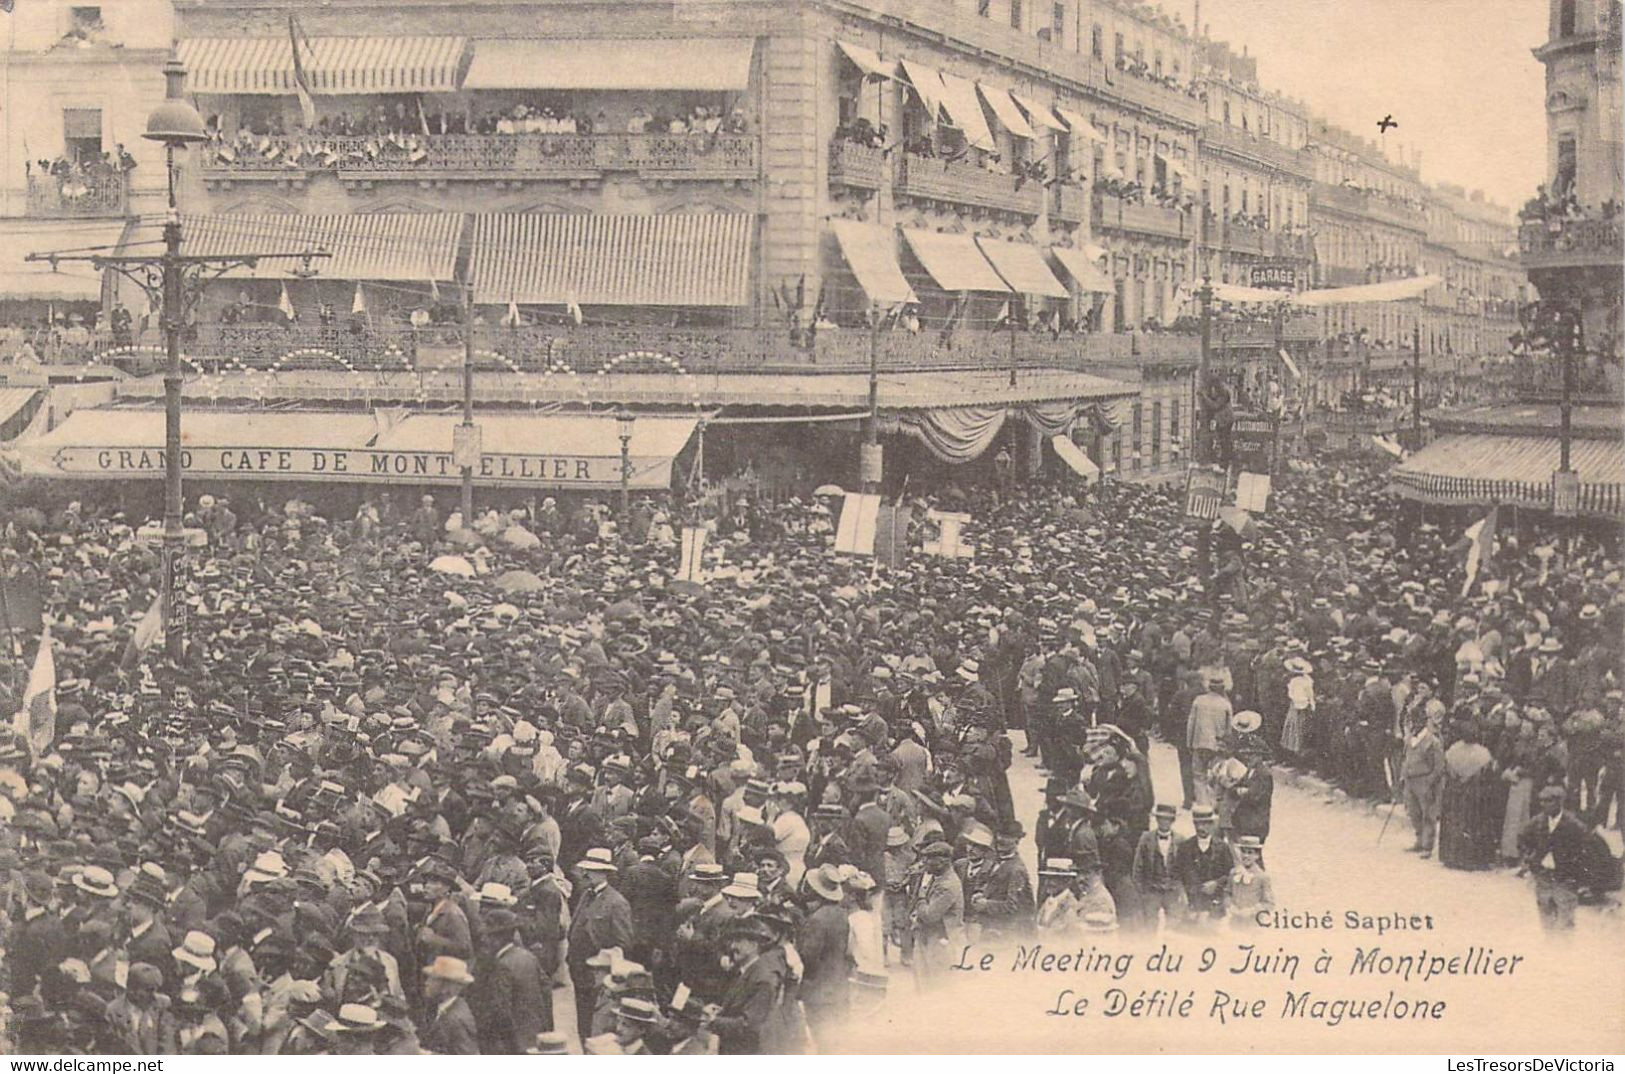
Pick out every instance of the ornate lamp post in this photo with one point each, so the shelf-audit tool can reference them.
(624, 421)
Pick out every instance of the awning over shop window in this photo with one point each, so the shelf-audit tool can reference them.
(1004, 108)
(334, 65)
(713, 64)
(1386, 291)
(1039, 114)
(22, 280)
(364, 246)
(1081, 127)
(549, 450)
(1023, 268)
(1082, 268)
(1235, 292)
(523, 450)
(927, 83)
(871, 254)
(965, 111)
(1075, 459)
(867, 60)
(1480, 469)
(656, 259)
(955, 262)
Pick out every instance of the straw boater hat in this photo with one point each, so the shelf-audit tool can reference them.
(598, 860)
(448, 968)
(1246, 722)
(825, 882)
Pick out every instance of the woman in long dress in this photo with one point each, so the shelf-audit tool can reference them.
(1300, 694)
(1469, 828)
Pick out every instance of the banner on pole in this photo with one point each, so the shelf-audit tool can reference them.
(690, 564)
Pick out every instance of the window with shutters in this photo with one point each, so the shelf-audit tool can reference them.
(1097, 42)
(1156, 434)
(82, 133)
(1134, 451)
(1015, 14)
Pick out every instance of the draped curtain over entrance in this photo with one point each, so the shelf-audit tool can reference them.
(962, 433)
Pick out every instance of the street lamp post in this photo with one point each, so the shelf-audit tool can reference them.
(624, 421)
(177, 125)
(172, 280)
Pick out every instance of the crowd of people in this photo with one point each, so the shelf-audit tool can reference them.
(87, 179)
(405, 136)
(409, 775)
(1562, 202)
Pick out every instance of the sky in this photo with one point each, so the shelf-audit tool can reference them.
(1457, 76)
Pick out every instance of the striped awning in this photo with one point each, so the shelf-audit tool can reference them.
(660, 259)
(955, 262)
(1475, 469)
(712, 64)
(1023, 268)
(871, 253)
(363, 246)
(1040, 114)
(333, 65)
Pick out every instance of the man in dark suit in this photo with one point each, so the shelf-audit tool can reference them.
(1153, 871)
(1203, 863)
(602, 919)
(1553, 846)
(451, 1029)
(651, 892)
(514, 997)
(750, 1003)
(823, 949)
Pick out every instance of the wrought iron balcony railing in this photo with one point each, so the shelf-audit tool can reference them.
(958, 183)
(1561, 241)
(861, 167)
(1069, 203)
(1117, 214)
(487, 156)
(88, 195)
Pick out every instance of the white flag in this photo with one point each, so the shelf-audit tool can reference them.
(285, 304)
(359, 304)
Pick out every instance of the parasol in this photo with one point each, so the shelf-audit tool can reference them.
(452, 565)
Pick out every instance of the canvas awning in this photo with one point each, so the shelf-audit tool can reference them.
(363, 246)
(1004, 108)
(871, 253)
(1479, 469)
(927, 84)
(1235, 292)
(652, 259)
(1080, 265)
(1038, 113)
(955, 262)
(1386, 291)
(518, 450)
(1080, 126)
(549, 450)
(1023, 268)
(333, 65)
(715, 64)
(964, 111)
(867, 60)
(1075, 459)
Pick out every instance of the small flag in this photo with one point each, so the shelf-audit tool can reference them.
(511, 318)
(285, 304)
(359, 304)
(860, 515)
(423, 119)
(1480, 546)
(691, 567)
(434, 292)
(36, 721)
(573, 308)
(148, 630)
(1004, 313)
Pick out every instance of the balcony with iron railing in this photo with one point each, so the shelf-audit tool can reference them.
(952, 182)
(1119, 214)
(503, 157)
(1254, 147)
(1572, 242)
(1368, 204)
(860, 167)
(219, 348)
(96, 194)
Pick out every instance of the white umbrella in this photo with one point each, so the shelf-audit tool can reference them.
(519, 582)
(452, 565)
(520, 537)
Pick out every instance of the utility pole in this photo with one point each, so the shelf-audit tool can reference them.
(1204, 444)
(1012, 324)
(168, 278)
(1416, 387)
(1570, 338)
(871, 424)
(468, 405)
